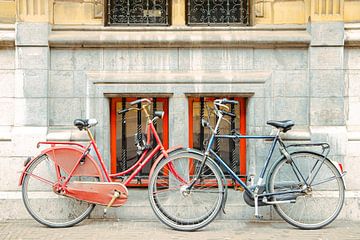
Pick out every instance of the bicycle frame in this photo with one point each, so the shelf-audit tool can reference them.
(275, 140)
(100, 164)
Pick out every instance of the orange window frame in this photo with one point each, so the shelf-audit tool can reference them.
(242, 143)
(113, 150)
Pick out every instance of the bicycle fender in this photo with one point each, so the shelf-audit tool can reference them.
(161, 156)
(66, 157)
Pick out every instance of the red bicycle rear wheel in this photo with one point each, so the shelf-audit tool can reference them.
(44, 204)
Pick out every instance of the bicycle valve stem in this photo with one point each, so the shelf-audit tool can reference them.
(115, 196)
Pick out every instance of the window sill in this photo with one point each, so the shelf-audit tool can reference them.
(181, 36)
(352, 34)
(7, 35)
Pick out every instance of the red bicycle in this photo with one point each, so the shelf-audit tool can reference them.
(62, 185)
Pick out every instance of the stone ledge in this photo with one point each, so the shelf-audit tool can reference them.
(192, 77)
(353, 136)
(5, 134)
(7, 35)
(352, 34)
(174, 38)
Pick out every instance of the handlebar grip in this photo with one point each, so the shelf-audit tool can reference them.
(228, 113)
(139, 101)
(225, 101)
(123, 111)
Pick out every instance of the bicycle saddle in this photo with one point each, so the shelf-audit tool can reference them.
(82, 123)
(286, 125)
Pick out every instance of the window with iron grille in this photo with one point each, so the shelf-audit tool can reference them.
(218, 12)
(138, 12)
(233, 152)
(128, 128)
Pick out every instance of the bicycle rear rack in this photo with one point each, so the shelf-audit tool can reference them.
(325, 147)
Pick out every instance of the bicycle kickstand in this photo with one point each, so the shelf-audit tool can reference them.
(115, 196)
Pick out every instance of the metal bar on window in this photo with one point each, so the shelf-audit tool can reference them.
(123, 163)
(201, 137)
(154, 143)
(232, 150)
(138, 130)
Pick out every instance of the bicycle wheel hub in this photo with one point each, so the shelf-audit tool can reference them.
(185, 191)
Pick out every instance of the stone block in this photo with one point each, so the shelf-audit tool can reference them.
(9, 179)
(34, 58)
(354, 113)
(260, 110)
(7, 58)
(216, 59)
(296, 109)
(290, 83)
(352, 165)
(116, 59)
(281, 58)
(7, 110)
(353, 81)
(31, 112)
(63, 111)
(31, 34)
(7, 83)
(178, 121)
(62, 59)
(61, 84)
(331, 58)
(353, 148)
(80, 84)
(327, 83)
(327, 33)
(336, 136)
(25, 139)
(327, 112)
(88, 59)
(31, 83)
(352, 58)
(144, 59)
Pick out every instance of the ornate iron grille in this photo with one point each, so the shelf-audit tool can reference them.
(138, 12)
(218, 12)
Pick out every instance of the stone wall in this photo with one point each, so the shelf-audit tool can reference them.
(50, 76)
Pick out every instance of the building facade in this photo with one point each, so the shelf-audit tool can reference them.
(283, 59)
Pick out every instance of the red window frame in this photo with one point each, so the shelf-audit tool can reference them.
(113, 150)
(242, 145)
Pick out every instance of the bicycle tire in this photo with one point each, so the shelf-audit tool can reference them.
(179, 209)
(46, 206)
(320, 203)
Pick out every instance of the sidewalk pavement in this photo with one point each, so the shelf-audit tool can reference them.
(149, 230)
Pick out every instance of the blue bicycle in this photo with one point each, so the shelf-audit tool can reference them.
(305, 187)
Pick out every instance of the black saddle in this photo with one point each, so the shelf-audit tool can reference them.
(85, 123)
(285, 125)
